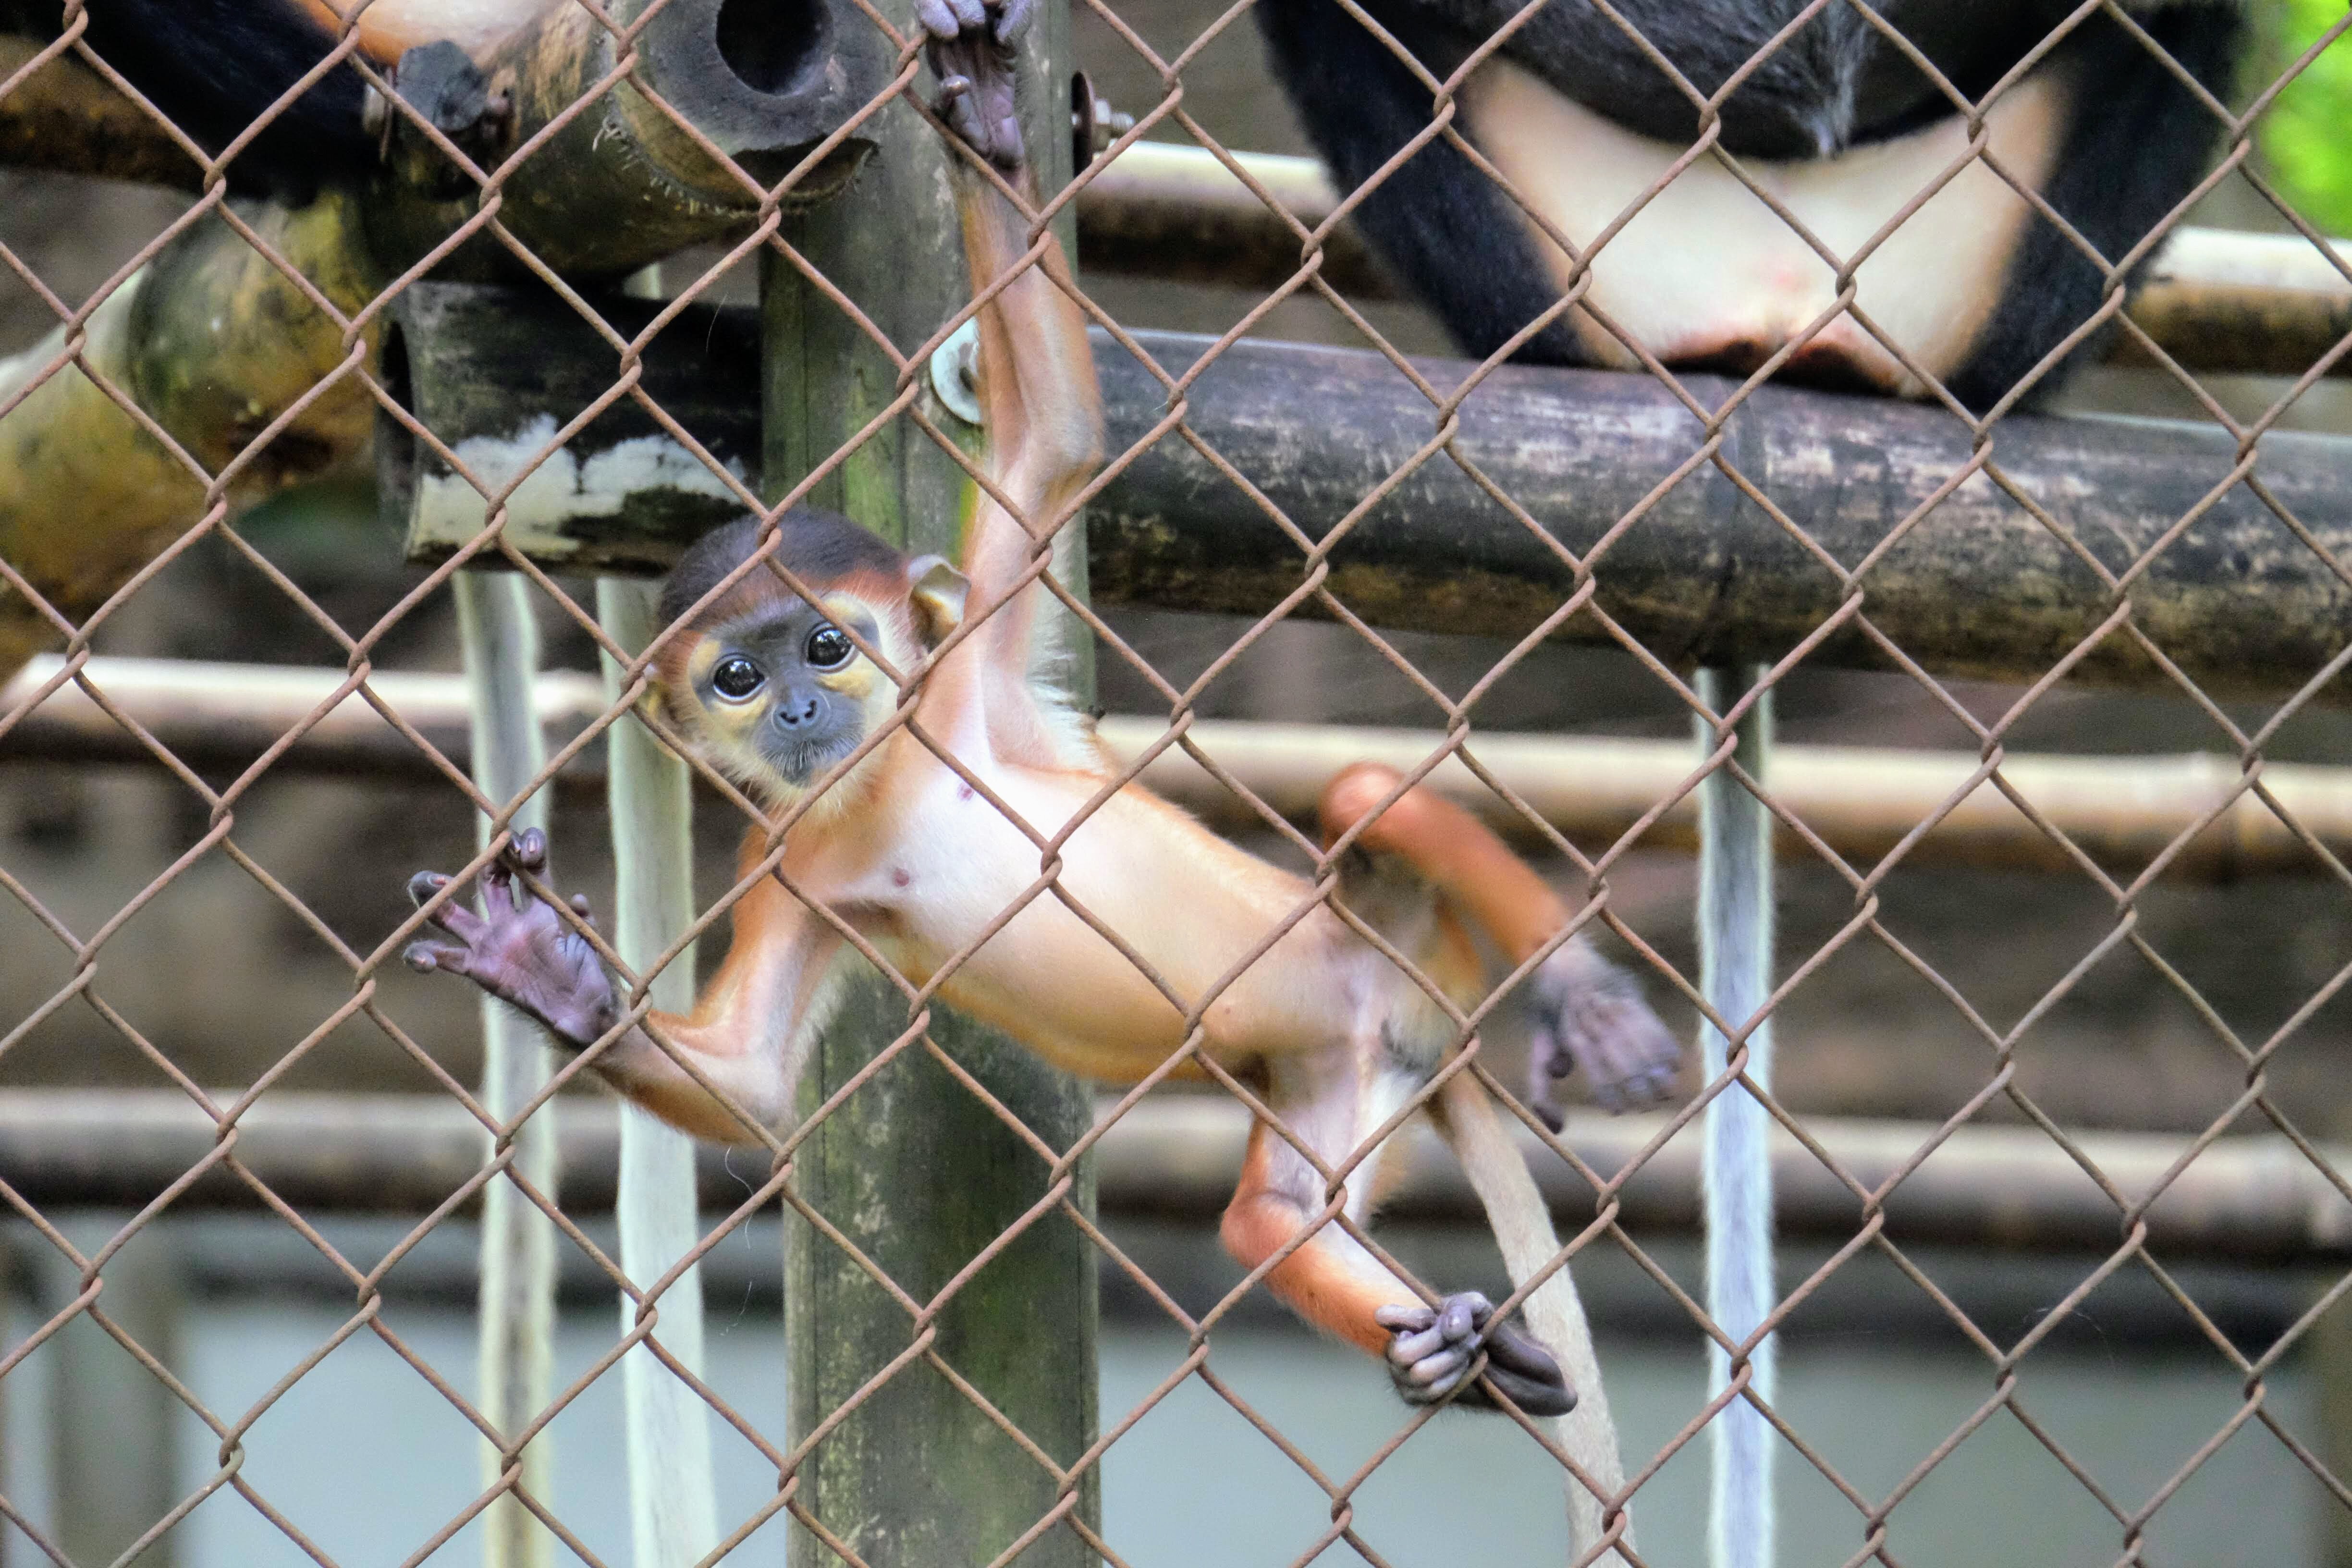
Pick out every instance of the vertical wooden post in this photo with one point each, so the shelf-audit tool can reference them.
(673, 1513)
(517, 1288)
(917, 1173)
(1735, 936)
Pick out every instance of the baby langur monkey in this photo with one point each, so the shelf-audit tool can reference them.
(773, 690)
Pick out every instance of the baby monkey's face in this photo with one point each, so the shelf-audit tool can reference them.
(785, 694)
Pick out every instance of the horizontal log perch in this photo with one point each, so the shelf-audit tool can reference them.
(2250, 1197)
(1993, 580)
(1861, 800)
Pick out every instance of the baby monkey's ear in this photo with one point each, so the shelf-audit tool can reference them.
(937, 589)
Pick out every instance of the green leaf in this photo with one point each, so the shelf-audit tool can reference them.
(2307, 136)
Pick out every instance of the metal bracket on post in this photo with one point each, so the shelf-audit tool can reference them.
(1735, 945)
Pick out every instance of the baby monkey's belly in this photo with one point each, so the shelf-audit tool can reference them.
(1154, 927)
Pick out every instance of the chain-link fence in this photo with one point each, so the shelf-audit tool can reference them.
(1793, 329)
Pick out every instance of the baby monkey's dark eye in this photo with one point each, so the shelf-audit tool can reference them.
(829, 647)
(736, 678)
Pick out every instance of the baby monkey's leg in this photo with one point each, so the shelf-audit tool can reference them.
(1585, 1011)
(1332, 1281)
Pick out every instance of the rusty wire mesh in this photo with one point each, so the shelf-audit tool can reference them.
(1168, 118)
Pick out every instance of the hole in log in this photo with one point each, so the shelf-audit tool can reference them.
(771, 47)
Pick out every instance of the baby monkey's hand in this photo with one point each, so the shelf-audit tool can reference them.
(520, 950)
(971, 47)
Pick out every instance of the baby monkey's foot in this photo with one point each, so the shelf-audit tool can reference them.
(1433, 1347)
(520, 950)
(1588, 1013)
(972, 48)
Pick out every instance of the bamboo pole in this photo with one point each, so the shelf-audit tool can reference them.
(517, 1321)
(913, 1169)
(1861, 800)
(115, 1469)
(215, 346)
(1735, 948)
(673, 1510)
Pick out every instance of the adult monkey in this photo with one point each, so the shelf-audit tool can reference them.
(791, 683)
(1977, 289)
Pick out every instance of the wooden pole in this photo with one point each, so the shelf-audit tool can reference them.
(1990, 580)
(1735, 939)
(673, 1511)
(913, 1169)
(516, 1327)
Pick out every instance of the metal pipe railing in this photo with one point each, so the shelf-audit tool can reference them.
(2249, 1197)
(1861, 800)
